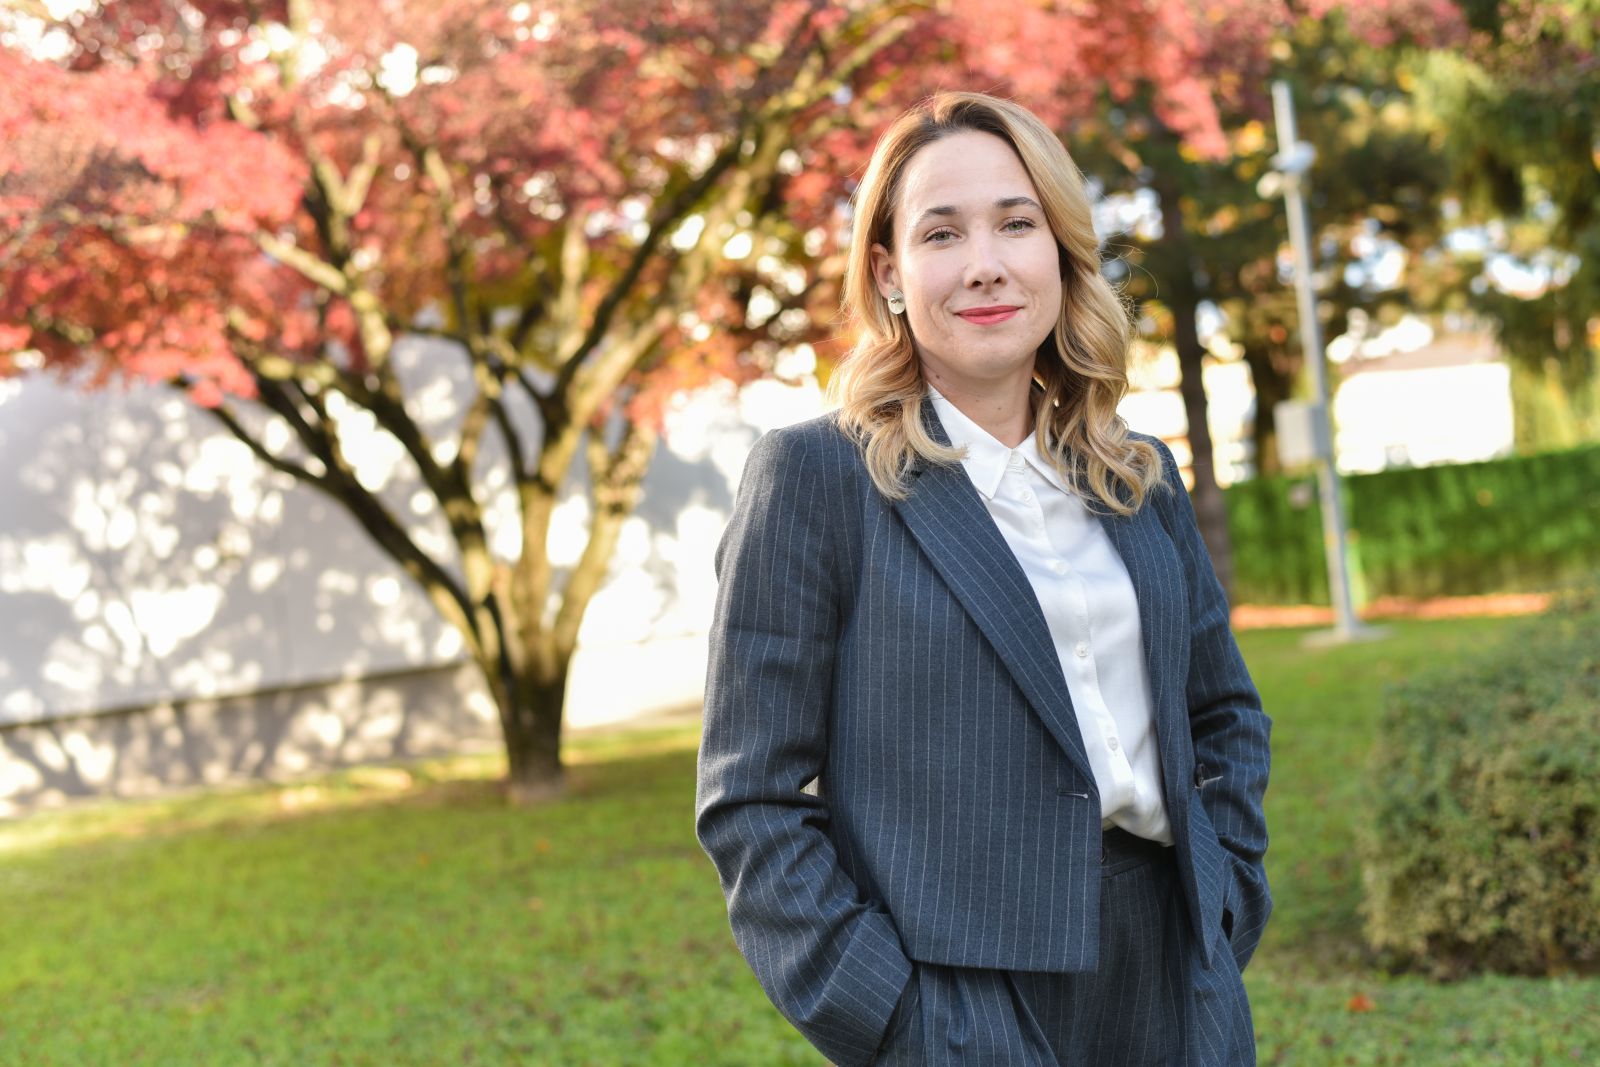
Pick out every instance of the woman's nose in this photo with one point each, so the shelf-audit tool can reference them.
(984, 266)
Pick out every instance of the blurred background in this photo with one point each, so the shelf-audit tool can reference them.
(375, 379)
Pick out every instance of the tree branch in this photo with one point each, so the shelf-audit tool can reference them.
(431, 162)
(310, 265)
(513, 440)
(225, 415)
(617, 483)
(316, 438)
(573, 266)
(476, 420)
(811, 85)
(359, 184)
(454, 602)
(668, 215)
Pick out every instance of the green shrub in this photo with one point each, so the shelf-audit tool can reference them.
(1520, 524)
(1483, 853)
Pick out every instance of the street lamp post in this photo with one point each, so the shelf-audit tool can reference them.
(1293, 163)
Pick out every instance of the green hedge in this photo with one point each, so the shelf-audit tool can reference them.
(1510, 525)
(1484, 846)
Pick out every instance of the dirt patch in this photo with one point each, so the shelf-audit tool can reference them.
(1260, 616)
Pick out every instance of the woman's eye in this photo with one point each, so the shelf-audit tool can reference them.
(1017, 225)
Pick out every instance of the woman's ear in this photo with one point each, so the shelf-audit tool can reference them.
(883, 271)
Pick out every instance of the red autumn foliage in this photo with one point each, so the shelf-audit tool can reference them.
(137, 173)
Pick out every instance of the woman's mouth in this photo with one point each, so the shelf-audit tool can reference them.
(989, 316)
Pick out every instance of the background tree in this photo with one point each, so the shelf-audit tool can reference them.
(1517, 114)
(1377, 194)
(250, 201)
(600, 205)
(1218, 240)
(597, 204)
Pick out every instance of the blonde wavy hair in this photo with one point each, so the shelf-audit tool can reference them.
(1081, 368)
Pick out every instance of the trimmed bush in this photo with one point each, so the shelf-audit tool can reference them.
(1483, 853)
(1521, 524)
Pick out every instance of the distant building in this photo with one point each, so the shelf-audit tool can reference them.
(1404, 398)
(1155, 406)
(1448, 401)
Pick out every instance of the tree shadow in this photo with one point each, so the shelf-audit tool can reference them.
(174, 613)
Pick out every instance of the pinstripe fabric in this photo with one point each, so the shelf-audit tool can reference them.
(896, 654)
(1149, 1004)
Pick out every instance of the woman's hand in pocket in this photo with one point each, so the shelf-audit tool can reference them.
(905, 1012)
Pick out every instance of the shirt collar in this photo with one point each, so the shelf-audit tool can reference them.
(987, 457)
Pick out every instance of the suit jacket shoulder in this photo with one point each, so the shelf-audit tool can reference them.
(821, 437)
(819, 454)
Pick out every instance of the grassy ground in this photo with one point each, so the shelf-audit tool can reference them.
(406, 917)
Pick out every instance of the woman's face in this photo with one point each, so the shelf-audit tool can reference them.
(976, 261)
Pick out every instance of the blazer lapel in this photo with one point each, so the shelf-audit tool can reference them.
(952, 525)
(1137, 539)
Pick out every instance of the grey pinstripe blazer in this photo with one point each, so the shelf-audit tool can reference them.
(896, 653)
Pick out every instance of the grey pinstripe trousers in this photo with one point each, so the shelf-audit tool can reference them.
(1151, 1002)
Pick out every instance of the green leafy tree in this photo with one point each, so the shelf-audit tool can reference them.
(1218, 239)
(1517, 112)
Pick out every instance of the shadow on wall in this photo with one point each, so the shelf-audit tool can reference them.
(146, 557)
(148, 561)
(275, 735)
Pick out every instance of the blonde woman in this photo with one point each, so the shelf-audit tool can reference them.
(982, 769)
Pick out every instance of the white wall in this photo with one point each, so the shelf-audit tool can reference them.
(1423, 416)
(145, 556)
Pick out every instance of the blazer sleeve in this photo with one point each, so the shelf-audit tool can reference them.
(1230, 730)
(830, 962)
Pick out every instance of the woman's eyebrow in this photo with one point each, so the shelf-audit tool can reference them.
(950, 211)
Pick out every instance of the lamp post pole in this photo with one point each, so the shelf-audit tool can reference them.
(1293, 163)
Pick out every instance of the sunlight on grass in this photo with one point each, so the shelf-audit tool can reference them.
(351, 788)
(406, 915)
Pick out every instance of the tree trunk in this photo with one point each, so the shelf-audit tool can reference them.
(532, 689)
(532, 727)
(1210, 509)
(1270, 388)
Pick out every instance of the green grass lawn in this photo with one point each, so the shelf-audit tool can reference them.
(388, 917)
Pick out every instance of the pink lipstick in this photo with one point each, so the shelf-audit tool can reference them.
(989, 316)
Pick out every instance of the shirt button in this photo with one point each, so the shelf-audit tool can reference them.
(1016, 461)
(1058, 566)
(1111, 743)
(1082, 649)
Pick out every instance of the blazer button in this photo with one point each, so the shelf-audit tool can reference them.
(1199, 775)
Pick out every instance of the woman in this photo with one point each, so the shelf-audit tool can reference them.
(973, 613)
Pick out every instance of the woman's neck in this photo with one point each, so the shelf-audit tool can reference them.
(1005, 412)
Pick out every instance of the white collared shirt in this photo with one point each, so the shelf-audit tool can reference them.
(1089, 605)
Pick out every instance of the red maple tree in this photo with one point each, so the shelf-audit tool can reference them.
(251, 199)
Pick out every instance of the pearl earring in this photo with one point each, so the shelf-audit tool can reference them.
(897, 302)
